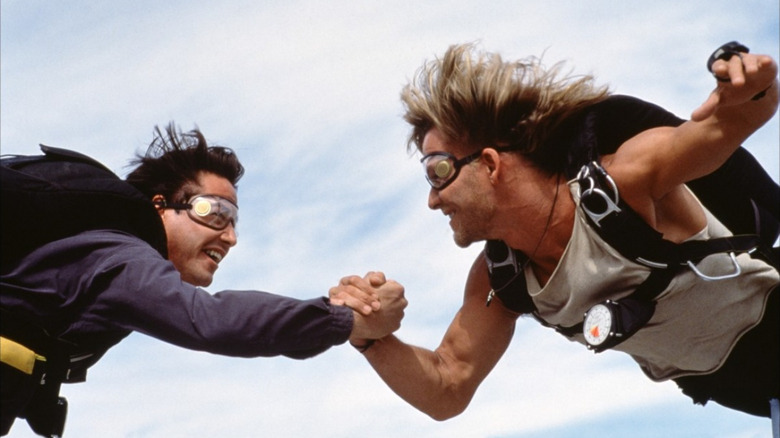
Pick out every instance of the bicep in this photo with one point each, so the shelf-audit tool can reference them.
(478, 335)
(661, 159)
(654, 162)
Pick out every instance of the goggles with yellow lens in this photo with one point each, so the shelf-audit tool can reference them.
(441, 168)
(212, 211)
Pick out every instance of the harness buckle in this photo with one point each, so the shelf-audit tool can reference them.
(606, 203)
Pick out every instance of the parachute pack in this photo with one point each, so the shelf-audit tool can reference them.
(46, 198)
(60, 194)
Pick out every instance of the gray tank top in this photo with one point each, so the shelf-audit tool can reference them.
(696, 322)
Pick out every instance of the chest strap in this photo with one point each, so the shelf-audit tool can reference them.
(623, 229)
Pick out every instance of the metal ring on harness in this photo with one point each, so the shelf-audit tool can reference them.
(610, 202)
(703, 276)
(509, 261)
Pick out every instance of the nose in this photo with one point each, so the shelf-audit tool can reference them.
(229, 235)
(433, 199)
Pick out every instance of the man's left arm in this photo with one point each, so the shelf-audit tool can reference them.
(745, 97)
(733, 111)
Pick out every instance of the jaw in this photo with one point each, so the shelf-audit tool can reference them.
(200, 271)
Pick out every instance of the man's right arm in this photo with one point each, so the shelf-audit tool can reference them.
(442, 382)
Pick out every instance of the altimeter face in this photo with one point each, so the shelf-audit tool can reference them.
(597, 325)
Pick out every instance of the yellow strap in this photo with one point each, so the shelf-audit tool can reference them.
(18, 356)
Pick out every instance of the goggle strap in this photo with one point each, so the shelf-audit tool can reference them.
(172, 205)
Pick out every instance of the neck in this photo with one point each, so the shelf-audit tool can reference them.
(542, 227)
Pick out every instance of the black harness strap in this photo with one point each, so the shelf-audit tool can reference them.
(740, 194)
(505, 266)
(620, 226)
(640, 304)
(614, 221)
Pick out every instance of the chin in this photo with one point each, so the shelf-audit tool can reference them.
(462, 241)
(198, 280)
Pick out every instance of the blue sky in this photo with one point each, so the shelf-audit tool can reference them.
(307, 92)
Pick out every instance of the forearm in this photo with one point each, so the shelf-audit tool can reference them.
(745, 98)
(441, 383)
(698, 147)
(251, 324)
(420, 376)
(233, 323)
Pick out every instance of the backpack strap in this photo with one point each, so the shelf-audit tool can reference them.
(740, 194)
(614, 221)
(507, 280)
(620, 226)
(623, 229)
(636, 309)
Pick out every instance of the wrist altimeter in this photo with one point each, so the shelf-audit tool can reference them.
(609, 323)
(600, 326)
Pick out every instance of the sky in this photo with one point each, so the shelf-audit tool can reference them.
(307, 93)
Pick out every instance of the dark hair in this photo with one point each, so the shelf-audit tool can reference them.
(175, 160)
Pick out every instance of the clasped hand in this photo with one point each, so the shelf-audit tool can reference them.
(378, 304)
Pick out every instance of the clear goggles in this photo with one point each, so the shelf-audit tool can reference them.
(212, 211)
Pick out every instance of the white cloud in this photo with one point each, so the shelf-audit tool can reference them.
(307, 93)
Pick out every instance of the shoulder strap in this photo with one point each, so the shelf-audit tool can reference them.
(623, 229)
(740, 194)
(507, 280)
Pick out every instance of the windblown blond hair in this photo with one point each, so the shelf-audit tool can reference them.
(477, 99)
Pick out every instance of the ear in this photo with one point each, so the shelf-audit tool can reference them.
(159, 203)
(492, 160)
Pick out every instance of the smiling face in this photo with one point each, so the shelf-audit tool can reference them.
(194, 249)
(467, 200)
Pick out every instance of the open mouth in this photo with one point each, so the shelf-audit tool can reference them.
(214, 255)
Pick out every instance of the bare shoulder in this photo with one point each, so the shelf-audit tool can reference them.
(644, 165)
(637, 158)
